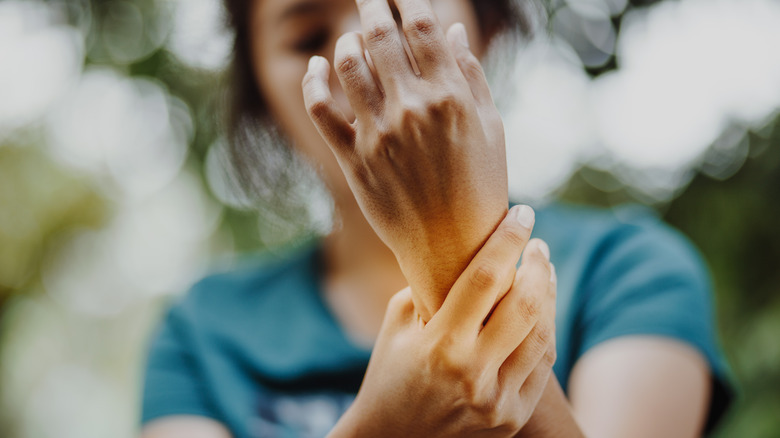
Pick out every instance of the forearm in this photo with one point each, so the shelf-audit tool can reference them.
(553, 417)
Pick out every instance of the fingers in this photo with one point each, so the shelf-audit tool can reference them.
(490, 273)
(322, 108)
(356, 78)
(538, 348)
(425, 36)
(383, 42)
(469, 65)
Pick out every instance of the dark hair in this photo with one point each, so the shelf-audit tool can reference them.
(262, 162)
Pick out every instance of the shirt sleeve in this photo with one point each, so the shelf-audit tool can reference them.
(172, 384)
(649, 280)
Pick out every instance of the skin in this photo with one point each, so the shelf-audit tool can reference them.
(410, 223)
(632, 386)
(453, 376)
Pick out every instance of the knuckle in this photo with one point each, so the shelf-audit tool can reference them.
(410, 112)
(471, 393)
(513, 425)
(380, 33)
(528, 308)
(495, 410)
(318, 109)
(411, 117)
(485, 276)
(471, 67)
(348, 64)
(385, 145)
(423, 25)
(446, 100)
(506, 419)
(448, 104)
(448, 361)
(399, 302)
(442, 347)
(514, 235)
(492, 418)
(544, 334)
(549, 358)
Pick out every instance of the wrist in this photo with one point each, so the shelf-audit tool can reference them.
(431, 279)
(432, 266)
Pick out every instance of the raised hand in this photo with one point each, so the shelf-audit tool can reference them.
(425, 156)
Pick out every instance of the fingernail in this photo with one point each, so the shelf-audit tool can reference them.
(461, 35)
(525, 216)
(544, 249)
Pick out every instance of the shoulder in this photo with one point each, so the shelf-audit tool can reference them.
(625, 272)
(602, 225)
(613, 242)
(610, 260)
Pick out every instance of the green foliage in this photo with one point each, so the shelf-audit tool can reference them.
(38, 201)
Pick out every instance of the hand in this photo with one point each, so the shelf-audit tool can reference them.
(473, 370)
(425, 156)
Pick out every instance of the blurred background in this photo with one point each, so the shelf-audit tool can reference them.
(115, 195)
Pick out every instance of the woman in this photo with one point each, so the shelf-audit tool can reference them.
(419, 183)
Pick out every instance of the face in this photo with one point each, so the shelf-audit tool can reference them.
(286, 33)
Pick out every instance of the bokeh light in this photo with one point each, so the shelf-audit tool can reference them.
(124, 128)
(116, 190)
(552, 90)
(41, 57)
(688, 73)
(200, 36)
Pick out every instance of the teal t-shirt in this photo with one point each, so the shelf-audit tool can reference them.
(258, 350)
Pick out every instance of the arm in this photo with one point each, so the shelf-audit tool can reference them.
(641, 386)
(645, 328)
(632, 386)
